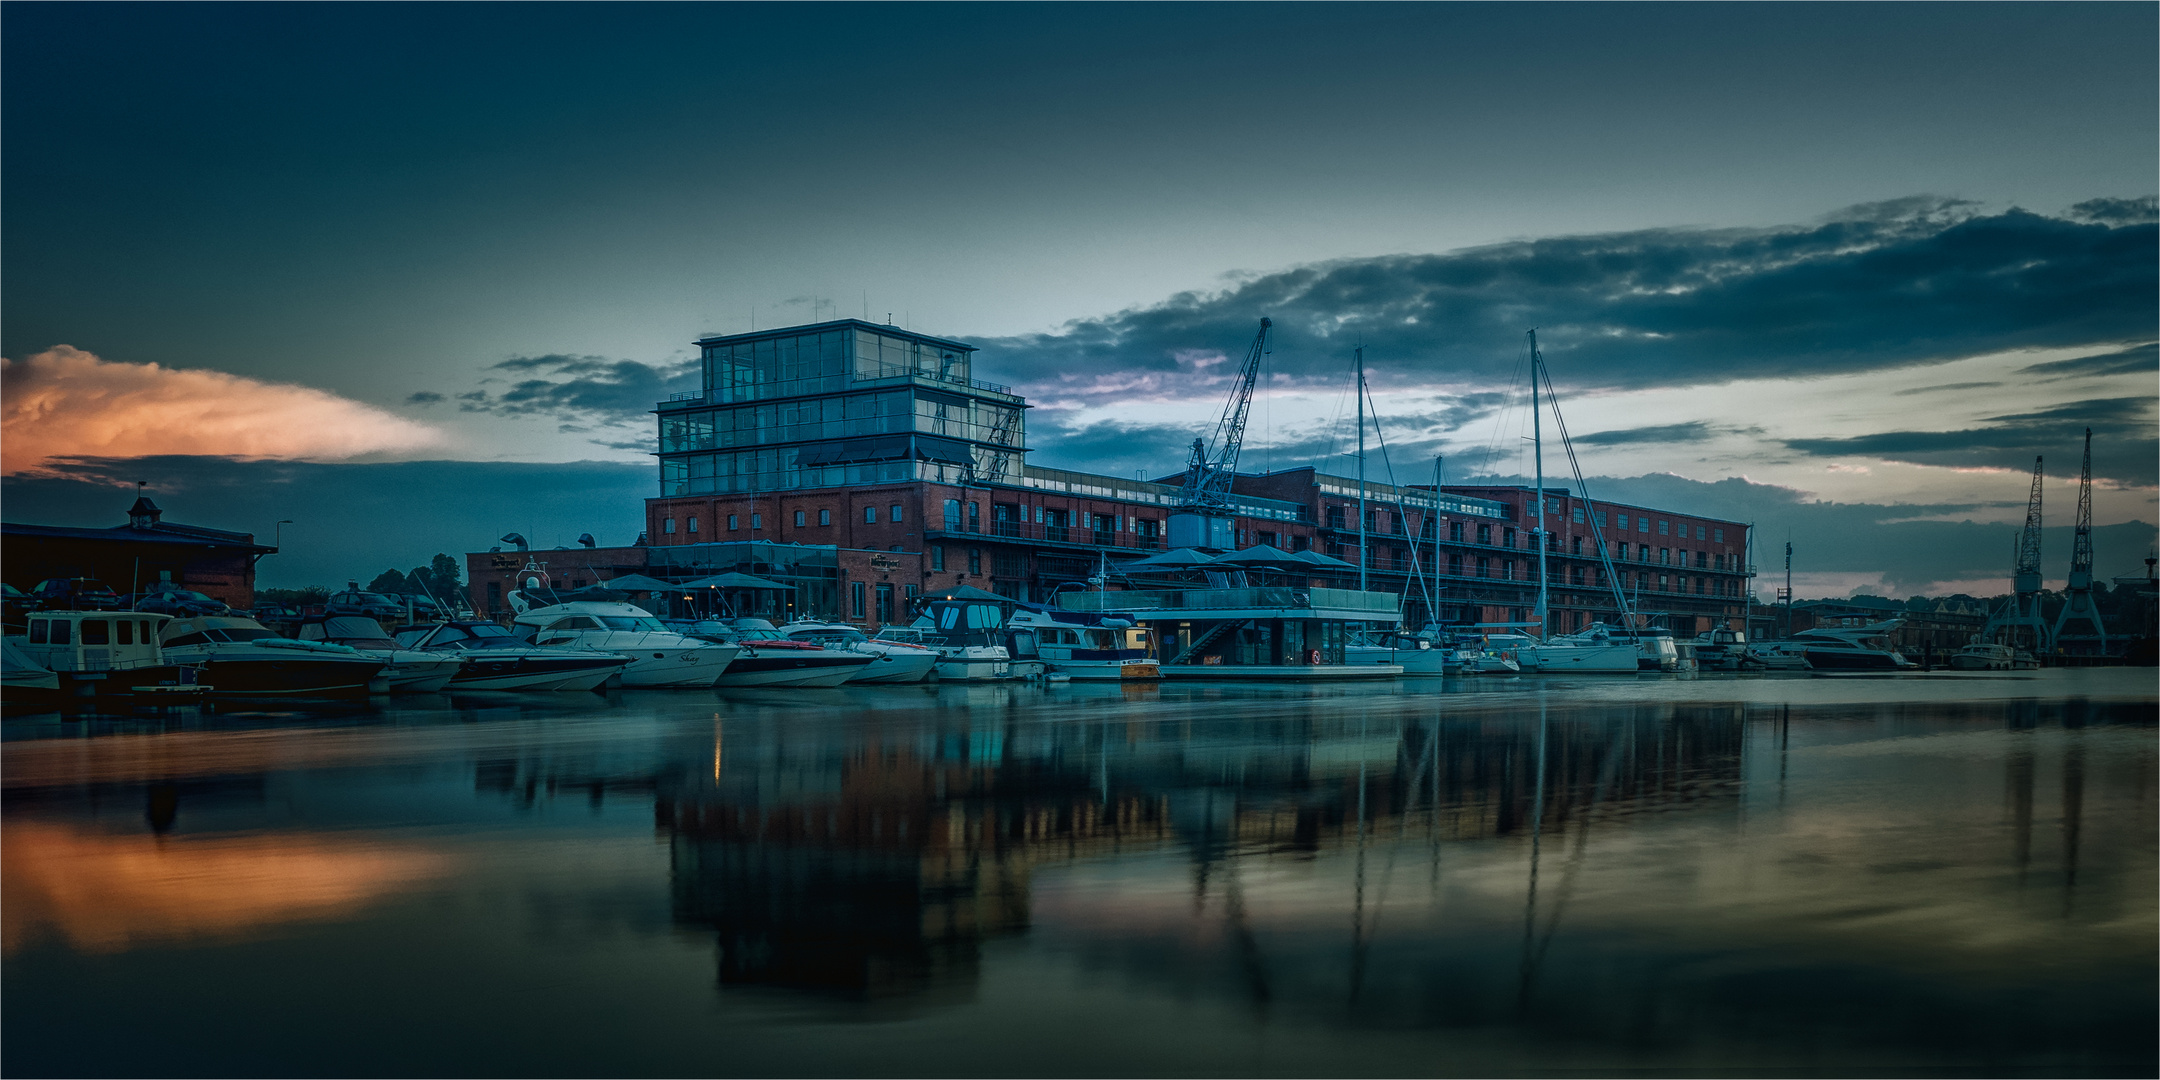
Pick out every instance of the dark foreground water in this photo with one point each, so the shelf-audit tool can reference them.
(1930, 874)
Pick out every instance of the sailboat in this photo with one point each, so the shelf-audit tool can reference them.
(1599, 648)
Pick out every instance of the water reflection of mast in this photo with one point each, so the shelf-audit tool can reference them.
(1537, 829)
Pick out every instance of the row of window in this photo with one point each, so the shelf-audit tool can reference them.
(94, 631)
(895, 513)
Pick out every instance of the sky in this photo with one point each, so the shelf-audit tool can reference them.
(1840, 270)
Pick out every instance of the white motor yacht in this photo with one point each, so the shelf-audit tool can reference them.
(236, 656)
(659, 657)
(1087, 646)
(1853, 648)
(1415, 654)
(956, 663)
(891, 661)
(1596, 649)
(771, 658)
(1990, 656)
(405, 671)
(495, 659)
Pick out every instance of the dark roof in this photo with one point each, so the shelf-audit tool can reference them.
(836, 324)
(160, 533)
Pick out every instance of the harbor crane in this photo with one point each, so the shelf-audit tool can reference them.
(2021, 612)
(2078, 593)
(1203, 514)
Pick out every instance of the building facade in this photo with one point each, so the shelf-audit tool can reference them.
(148, 549)
(867, 438)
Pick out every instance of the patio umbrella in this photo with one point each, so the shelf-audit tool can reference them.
(966, 592)
(1264, 557)
(734, 581)
(637, 583)
(1174, 559)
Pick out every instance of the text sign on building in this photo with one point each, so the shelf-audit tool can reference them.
(884, 563)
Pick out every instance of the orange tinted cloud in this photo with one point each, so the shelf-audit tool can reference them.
(64, 402)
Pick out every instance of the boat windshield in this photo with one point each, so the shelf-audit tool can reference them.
(834, 635)
(760, 635)
(645, 623)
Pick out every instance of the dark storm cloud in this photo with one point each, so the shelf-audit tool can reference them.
(2124, 446)
(424, 397)
(2141, 360)
(580, 390)
(351, 520)
(1692, 431)
(1875, 286)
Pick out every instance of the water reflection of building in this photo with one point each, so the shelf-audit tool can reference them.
(875, 868)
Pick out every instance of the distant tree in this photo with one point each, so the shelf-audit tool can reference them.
(312, 594)
(448, 578)
(389, 582)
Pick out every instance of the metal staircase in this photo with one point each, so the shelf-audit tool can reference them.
(1213, 635)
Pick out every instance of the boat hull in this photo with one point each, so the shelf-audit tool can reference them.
(297, 677)
(1599, 659)
(776, 669)
(677, 668)
(1272, 672)
(973, 670)
(1423, 662)
(524, 673)
(895, 667)
(1105, 670)
(1855, 660)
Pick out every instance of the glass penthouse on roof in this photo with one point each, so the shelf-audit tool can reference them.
(846, 402)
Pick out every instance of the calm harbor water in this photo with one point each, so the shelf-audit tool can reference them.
(1938, 874)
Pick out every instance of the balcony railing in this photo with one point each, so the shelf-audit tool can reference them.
(1059, 534)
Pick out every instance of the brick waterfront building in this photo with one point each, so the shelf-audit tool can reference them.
(869, 459)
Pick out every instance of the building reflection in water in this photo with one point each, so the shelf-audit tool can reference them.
(874, 861)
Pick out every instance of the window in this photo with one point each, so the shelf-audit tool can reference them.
(1454, 531)
(1427, 527)
(858, 599)
(974, 517)
(1507, 538)
(127, 633)
(952, 515)
(1334, 517)
(974, 558)
(884, 603)
(38, 629)
(1578, 515)
(668, 527)
(693, 523)
(96, 632)
(1507, 569)
(1702, 532)
(63, 632)
(824, 517)
(1664, 555)
(757, 521)
(1578, 545)
(1484, 566)
(1718, 535)
(1642, 524)
(1662, 526)
(1702, 560)
(1484, 534)
(895, 515)
(937, 558)
(731, 518)
(869, 515)
(801, 519)
(1454, 565)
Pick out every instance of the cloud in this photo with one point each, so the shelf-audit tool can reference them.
(1885, 285)
(425, 397)
(65, 402)
(1692, 431)
(1945, 387)
(581, 390)
(2124, 447)
(2139, 360)
(2118, 211)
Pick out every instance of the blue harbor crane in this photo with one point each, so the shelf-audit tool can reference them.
(2078, 591)
(1202, 517)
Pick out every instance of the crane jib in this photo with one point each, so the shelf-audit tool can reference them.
(1208, 473)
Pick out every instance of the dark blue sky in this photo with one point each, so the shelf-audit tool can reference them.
(380, 201)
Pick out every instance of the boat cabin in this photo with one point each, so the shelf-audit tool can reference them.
(95, 641)
(1267, 633)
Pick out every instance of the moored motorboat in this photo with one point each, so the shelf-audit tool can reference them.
(237, 656)
(1992, 656)
(659, 657)
(494, 659)
(1087, 646)
(891, 661)
(1416, 655)
(770, 658)
(405, 671)
(1853, 648)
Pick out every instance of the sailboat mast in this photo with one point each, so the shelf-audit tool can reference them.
(1433, 520)
(1537, 453)
(1362, 558)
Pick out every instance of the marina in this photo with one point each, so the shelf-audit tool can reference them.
(1744, 874)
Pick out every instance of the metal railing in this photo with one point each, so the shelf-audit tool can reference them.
(1377, 603)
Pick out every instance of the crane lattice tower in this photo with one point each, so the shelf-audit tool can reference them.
(2078, 595)
(2018, 621)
